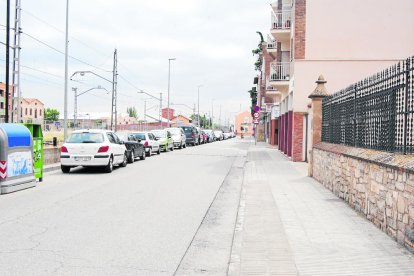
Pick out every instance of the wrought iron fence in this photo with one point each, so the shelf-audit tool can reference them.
(375, 113)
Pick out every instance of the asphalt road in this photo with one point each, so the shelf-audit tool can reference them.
(139, 220)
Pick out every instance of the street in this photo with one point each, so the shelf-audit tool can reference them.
(139, 220)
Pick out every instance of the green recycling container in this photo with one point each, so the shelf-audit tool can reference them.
(37, 134)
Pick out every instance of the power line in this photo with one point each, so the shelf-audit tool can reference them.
(62, 32)
(61, 52)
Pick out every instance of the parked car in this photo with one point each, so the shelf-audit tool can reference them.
(201, 136)
(151, 144)
(226, 135)
(191, 134)
(178, 137)
(164, 138)
(92, 148)
(210, 135)
(205, 137)
(134, 147)
(218, 134)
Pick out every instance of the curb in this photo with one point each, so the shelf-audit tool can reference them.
(51, 168)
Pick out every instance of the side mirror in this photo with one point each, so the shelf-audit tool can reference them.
(121, 142)
(139, 140)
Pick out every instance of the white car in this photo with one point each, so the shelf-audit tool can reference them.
(149, 141)
(218, 134)
(93, 148)
(178, 136)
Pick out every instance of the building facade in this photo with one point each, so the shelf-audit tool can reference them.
(32, 111)
(244, 124)
(3, 101)
(343, 40)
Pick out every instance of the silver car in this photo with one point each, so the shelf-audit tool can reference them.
(178, 136)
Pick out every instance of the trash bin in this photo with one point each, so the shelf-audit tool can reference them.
(16, 158)
(38, 153)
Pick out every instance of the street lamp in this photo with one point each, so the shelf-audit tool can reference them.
(82, 73)
(168, 95)
(198, 104)
(75, 90)
(160, 99)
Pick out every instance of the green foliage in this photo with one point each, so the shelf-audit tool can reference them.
(204, 121)
(132, 112)
(51, 114)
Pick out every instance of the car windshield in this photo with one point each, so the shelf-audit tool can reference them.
(159, 133)
(175, 131)
(86, 137)
(187, 129)
(140, 136)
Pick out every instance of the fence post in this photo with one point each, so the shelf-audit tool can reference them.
(406, 112)
(316, 96)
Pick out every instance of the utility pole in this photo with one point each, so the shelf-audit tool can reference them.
(220, 117)
(160, 110)
(65, 101)
(198, 104)
(16, 94)
(7, 59)
(114, 93)
(75, 108)
(168, 93)
(145, 114)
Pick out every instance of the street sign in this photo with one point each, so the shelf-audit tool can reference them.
(257, 108)
(256, 115)
(256, 121)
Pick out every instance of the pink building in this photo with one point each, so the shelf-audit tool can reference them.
(343, 40)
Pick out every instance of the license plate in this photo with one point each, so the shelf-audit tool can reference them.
(77, 158)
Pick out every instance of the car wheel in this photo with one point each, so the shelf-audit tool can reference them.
(172, 147)
(142, 157)
(124, 162)
(131, 157)
(185, 145)
(65, 169)
(110, 167)
(149, 152)
(159, 151)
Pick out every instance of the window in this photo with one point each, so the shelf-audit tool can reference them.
(111, 138)
(1, 105)
(25, 111)
(85, 138)
(35, 113)
(40, 112)
(30, 111)
(1, 93)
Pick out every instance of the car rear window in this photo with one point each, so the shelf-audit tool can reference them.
(187, 129)
(86, 137)
(140, 136)
(175, 131)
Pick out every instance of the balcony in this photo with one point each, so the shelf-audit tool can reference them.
(279, 76)
(271, 46)
(281, 24)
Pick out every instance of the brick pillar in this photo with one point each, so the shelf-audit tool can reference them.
(317, 96)
(297, 147)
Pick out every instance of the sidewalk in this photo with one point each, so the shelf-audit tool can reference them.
(288, 224)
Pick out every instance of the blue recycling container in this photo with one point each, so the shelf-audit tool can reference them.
(16, 158)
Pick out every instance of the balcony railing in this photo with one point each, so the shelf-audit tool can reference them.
(279, 71)
(282, 20)
(271, 43)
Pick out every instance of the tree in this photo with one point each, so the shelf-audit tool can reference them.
(51, 114)
(132, 112)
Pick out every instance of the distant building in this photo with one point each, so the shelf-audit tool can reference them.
(244, 123)
(180, 120)
(32, 111)
(3, 101)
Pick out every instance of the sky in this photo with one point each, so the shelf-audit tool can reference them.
(211, 40)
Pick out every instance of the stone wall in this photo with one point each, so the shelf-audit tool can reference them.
(51, 156)
(379, 185)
